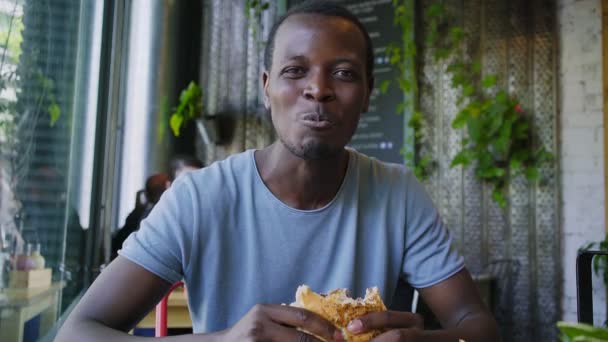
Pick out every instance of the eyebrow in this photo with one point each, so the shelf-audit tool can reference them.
(335, 61)
(347, 60)
(294, 58)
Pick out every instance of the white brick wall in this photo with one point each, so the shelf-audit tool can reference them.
(582, 142)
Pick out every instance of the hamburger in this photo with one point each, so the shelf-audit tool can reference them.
(339, 309)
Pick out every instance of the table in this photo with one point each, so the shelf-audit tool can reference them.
(178, 315)
(18, 306)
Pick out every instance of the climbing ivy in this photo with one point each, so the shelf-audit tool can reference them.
(499, 133)
(402, 55)
(253, 12)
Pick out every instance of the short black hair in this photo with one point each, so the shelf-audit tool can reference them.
(326, 8)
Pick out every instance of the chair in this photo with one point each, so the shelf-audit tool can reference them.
(161, 311)
(504, 273)
(584, 290)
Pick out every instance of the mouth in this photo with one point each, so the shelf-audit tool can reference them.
(317, 121)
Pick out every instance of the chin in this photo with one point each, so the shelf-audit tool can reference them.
(314, 150)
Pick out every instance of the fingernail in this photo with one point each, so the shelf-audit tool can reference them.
(338, 336)
(355, 326)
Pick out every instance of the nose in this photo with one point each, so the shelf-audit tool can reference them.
(319, 88)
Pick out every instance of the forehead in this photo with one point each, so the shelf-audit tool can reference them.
(302, 34)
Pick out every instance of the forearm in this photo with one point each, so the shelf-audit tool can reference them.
(92, 331)
(475, 328)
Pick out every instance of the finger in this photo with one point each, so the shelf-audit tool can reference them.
(396, 335)
(277, 332)
(385, 320)
(304, 319)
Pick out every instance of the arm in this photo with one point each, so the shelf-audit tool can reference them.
(430, 257)
(125, 292)
(456, 303)
(119, 298)
(462, 313)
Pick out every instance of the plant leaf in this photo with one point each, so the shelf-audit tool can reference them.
(489, 81)
(176, 123)
(475, 128)
(461, 158)
(384, 86)
(515, 165)
(434, 11)
(190, 106)
(468, 90)
(461, 119)
(496, 120)
(577, 330)
(55, 113)
(532, 174)
(499, 198)
(457, 34)
(476, 66)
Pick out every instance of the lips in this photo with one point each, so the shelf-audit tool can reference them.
(317, 121)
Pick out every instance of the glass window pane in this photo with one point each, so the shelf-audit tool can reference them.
(49, 72)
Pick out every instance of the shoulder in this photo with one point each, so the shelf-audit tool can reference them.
(220, 180)
(390, 181)
(380, 172)
(234, 167)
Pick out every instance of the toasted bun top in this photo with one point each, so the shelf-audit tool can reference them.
(338, 308)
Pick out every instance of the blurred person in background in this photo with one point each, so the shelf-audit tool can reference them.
(181, 164)
(144, 202)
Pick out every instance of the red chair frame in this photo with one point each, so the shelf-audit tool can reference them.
(161, 312)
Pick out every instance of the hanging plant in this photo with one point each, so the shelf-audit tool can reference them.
(498, 143)
(255, 7)
(253, 13)
(402, 56)
(189, 108)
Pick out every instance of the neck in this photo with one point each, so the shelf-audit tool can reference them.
(299, 183)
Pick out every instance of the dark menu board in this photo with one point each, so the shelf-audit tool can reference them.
(381, 129)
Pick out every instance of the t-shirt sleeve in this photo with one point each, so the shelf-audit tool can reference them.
(430, 256)
(162, 244)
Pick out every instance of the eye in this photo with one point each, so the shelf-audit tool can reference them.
(293, 72)
(346, 74)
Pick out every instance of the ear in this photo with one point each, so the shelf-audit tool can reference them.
(369, 94)
(265, 82)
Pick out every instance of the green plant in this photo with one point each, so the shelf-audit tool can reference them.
(253, 12)
(189, 108)
(401, 56)
(255, 6)
(600, 262)
(48, 94)
(579, 332)
(19, 114)
(10, 40)
(499, 135)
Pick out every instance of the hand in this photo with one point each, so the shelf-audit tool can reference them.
(399, 326)
(266, 322)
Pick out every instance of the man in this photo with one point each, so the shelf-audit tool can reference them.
(305, 210)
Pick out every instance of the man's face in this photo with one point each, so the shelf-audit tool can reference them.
(317, 87)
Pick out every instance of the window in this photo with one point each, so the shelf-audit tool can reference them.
(49, 74)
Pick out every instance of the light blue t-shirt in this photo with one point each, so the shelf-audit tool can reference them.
(235, 244)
